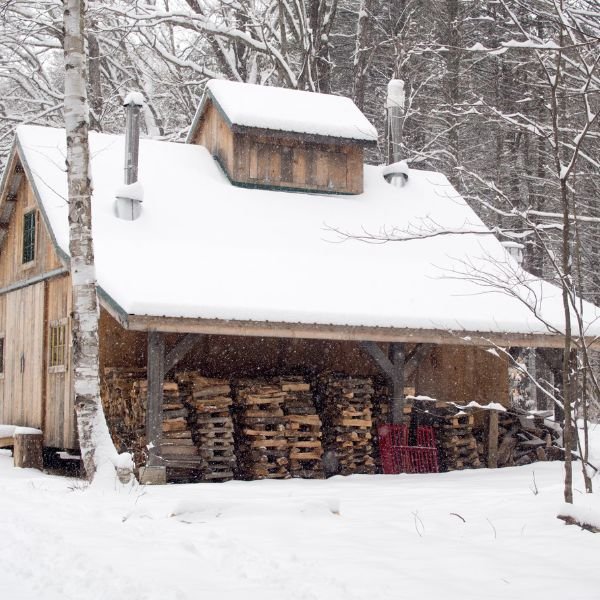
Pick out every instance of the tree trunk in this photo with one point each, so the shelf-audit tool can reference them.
(97, 450)
(362, 51)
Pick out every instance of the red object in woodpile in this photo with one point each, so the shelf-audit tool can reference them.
(398, 457)
(425, 437)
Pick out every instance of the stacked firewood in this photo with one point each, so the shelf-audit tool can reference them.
(261, 440)
(209, 404)
(347, 421)
(302, 428)
(458, 445)
(177, 447)
(124, 417)
(524, 438)
(125, 398)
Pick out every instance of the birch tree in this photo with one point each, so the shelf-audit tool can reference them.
(97, 450)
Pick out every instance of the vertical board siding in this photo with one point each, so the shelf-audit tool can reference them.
(4, 406)
(25, 387)
(24, 364)
(59, 429)
(260, 159)
(462, 374)
(299, 165)
(12, 268)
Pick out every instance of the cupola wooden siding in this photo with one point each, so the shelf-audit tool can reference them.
(273, 157)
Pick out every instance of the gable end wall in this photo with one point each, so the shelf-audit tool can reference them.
(32, 296)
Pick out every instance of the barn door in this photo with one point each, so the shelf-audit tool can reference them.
(24, 355)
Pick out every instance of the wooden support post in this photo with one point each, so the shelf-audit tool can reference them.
(156, 375)
(28, 450)
(393, 367)
(492, 449)
(397, 399)
(554, 359)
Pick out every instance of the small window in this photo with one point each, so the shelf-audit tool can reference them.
(58, 345)
(29, 237)
(1, 356)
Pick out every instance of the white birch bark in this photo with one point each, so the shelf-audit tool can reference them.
(100, 458)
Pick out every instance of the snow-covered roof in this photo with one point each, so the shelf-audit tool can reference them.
(280, 109)
(204, 248)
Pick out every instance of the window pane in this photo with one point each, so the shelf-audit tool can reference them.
(29, 236)
(57, 345)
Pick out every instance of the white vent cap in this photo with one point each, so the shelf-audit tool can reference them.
(135, 98)
(396, 98)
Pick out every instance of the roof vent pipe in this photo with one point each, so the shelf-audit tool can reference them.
(130, 196)
(397, 173)
(396, 101)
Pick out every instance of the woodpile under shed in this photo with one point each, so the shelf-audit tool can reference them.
(278, 431)
(347, 421)
(285, 426)
(303, 429)
(525, 437)
(261, 442)
(209, 416)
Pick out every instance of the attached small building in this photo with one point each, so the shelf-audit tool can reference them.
(249, 257)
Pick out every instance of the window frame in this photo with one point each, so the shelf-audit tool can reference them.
(29, 246)
(58, 343)
(2, 354)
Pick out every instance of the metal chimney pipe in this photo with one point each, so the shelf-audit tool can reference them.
(129, 198)
(396, 100)
(133, 106)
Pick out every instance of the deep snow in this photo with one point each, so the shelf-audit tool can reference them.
(457, 536)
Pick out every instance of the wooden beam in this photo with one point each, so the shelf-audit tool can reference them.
(492, 449)
(156, 375)
(415, 358)
(181, 349)
(355, 333)
(378, 355)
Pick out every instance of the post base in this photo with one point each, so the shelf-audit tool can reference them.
(153, 475)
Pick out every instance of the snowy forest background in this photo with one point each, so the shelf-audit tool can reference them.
(503, 96)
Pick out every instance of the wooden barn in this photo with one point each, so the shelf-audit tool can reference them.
(244, 329)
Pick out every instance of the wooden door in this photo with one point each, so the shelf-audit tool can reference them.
(24, 353)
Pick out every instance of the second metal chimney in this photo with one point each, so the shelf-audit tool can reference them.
(396, 100)
(130, 196)
(133, 106)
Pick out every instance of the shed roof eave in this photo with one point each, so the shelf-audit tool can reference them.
(344, 332)
(237, 128)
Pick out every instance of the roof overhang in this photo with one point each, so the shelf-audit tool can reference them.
(316, 331)
(16, 167)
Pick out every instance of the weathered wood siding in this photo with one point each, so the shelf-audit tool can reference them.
(215, 135)
(462, 374)
(12, 268)
(60, 425)
(23, 327)
(30, 394)
(281, 161)
(297, 164)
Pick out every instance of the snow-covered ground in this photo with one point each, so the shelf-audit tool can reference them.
(462, 535)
